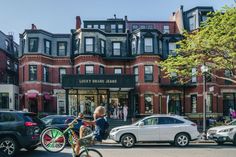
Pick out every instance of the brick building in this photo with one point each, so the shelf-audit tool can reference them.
(9, 91)
(44, 58)
(114, 62)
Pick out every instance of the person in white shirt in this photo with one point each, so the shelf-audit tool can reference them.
(125, 112)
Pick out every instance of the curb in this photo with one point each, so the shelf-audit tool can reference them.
(197, 141)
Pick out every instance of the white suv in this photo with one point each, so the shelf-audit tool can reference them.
(221, 134)
(157, 128)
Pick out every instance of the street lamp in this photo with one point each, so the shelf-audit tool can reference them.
(204, 70)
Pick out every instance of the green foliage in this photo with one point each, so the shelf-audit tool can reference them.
(213, 44)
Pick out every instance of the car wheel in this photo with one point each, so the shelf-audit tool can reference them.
(9, 146)
(32, 148)
(182, 140)
(220, 143)
(127, 140)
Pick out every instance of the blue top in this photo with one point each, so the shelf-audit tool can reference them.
(99, 128)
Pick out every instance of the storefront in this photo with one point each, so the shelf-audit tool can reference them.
(85, 92)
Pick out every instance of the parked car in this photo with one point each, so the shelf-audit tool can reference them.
(19, 130)
(59, 121)
(222, 134)
(157, 128)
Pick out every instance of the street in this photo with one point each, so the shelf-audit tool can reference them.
(150, 150)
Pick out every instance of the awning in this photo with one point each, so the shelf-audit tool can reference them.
(32, 95)
(47, 96)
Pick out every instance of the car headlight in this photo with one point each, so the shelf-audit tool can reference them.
(227, 130)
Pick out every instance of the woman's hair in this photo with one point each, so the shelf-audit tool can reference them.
(100, 110)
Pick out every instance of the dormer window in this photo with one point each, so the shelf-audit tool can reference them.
(103, 46)
(116, 48)
(61, 48)
(89, 26)
(172, 47)
(47, 46)
(133, 46)
(7, 45)
(113, 28)
(166, 29)
(204, 18)
(89, 44)
(192, 23)
(33, 44)
(134, 27)
(120, 28)
(148, 45)
(95, 26)
(102, 27)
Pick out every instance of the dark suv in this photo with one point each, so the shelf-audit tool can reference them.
(19, 130)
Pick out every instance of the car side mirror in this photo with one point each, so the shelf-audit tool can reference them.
(141, 124)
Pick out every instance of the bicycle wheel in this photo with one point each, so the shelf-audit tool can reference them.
(90, 153)
(53, 140)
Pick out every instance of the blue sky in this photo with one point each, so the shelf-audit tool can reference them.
(58, 16)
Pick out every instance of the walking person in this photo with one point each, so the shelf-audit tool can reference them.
(120, 110)
(125, 112)
(115, 111)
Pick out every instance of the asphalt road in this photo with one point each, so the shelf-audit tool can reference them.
(146, 150)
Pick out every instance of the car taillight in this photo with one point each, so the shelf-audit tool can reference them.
(30, 124)
(193, 124)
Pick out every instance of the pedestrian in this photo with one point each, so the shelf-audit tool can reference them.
(120, 111)
(125, 112)
(115, 111)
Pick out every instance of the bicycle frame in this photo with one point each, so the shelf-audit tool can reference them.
(72, 133)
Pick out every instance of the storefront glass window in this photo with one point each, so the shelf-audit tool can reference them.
(73, 105)
(116, 103)
(87, 104)
(148, 101)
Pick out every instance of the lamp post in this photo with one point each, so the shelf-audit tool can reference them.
(204, 70)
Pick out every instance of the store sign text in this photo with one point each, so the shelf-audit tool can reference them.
(108, 81)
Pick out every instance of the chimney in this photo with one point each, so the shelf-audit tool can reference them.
(33, 27)
(126, 18)
(78, 22)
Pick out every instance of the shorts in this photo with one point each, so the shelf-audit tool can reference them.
(88, 141)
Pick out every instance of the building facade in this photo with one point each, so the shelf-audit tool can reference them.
(115, 62)
(9, 90)
(43, 59)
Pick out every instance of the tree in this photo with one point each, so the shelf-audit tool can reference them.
(213, 44)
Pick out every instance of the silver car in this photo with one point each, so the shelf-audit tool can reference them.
(157, 128)
(222, 134)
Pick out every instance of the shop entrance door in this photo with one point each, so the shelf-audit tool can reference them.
(174, 104)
